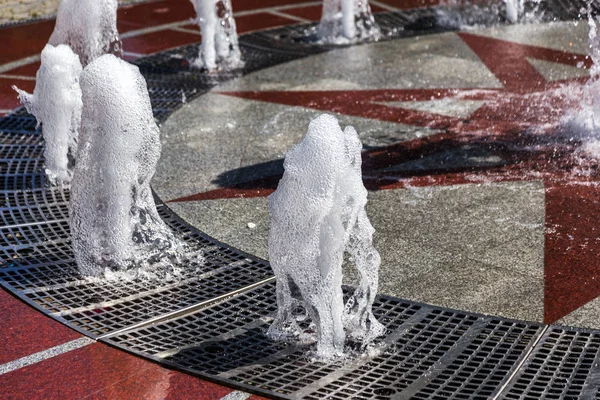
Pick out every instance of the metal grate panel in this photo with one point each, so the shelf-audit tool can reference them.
(564, 365)
(428, 352)
(211, 320)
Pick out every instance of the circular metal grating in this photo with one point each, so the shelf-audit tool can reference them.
(211, 320)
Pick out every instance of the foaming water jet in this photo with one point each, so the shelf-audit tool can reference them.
(347, 21)
(56, 104)
(114, 222)
(219, 36)
(318, 214)
(89, 27)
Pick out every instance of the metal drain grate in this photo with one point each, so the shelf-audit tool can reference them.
(211, 320)
(428, 352)
(39, 263)
(564, 365)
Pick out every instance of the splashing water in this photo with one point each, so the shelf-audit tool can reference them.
(586, 120)
(514, 9)
(460, 14)
(347, 21)
(317, 214)
(114, 222)
(89, 27)
(56, 104)
(219, 37)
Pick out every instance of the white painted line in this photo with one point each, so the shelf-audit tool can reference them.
(156, 28)
(132, 54)
(277, 8)
(185, 30)
(19, 63)
(236, 396)
(289, 16)
(384, 6)
(45, 354)
(21, 77)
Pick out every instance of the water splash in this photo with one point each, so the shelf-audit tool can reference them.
(115, 226)
(459, 14)
(56, 104)
(585, 122)
(317, 214)
(347, 21)
(514, 9)
(89, 27)
(219, 36)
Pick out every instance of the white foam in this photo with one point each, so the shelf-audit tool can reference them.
(56, 104)
(219, 36)
(584, 122)
(317, 214)
(347, 21)
(514, 9)
(114, 222)
(89, 27)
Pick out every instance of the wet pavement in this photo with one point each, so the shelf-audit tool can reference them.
(481, 193)
(459, 131)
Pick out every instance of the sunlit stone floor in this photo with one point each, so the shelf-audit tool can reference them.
(461, 225)
(467, 215)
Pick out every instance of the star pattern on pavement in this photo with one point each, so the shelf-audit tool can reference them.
(513, 134)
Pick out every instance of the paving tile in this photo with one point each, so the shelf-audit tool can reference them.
(572, 268)
(153, 13)
(100, 372)
(255, 22)
(246, 5)
(8, 97)
(24, 40)
(158, 41)
(25, 331)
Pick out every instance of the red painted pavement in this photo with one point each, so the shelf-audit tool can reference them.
(97, 371)
(158, 41)
(24, 330)
(155, 13)
(24, 40)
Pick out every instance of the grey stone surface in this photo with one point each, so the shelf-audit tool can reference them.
(587, 316)
(473, 247)
(419, 62)
(227, 220)
(571, 36)
(217, 133)
(477, 247)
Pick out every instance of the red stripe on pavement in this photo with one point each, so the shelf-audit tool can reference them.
(256, 22)
(146, 15)
(158, 41)
(24, 40)
(508, 61)
(25, 331)
(246, 5)
(572, 265)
